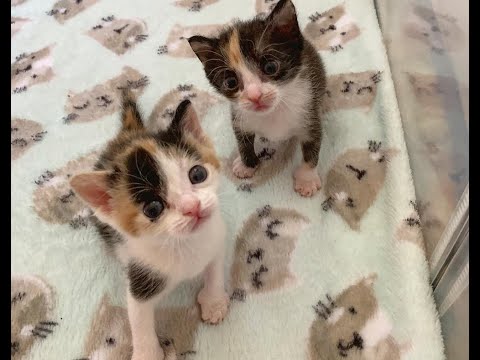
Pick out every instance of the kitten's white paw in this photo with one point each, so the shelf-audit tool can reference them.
(307, 180)
(241, 171)
(214, 306)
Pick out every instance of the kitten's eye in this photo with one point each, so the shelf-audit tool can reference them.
(153, 209)
(197, 174)
(231, 83)
(270, 68)
(352, 310)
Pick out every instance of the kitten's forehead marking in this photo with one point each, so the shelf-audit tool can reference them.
(233, 52)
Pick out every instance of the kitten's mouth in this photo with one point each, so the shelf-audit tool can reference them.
(260, 107)
(199, 220)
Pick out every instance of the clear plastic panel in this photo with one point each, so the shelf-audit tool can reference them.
(427, 44)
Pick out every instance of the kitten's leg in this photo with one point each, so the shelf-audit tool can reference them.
(213, 298)
(146, 287)
(245, 165)
(307, 180)
(141, 315)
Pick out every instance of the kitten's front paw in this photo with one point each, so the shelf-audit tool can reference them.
(214, 306)
(307, 181)
(241, 171)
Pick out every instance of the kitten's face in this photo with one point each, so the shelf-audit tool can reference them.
(154, 185)
(251, 62)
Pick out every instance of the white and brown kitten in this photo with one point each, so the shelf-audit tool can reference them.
(275, 81)
(154, 197)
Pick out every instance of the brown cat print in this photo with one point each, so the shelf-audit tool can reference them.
(109, 337)
(194, 5)
(353, 326)
(16, 24)
(352, 91)
(119, 35)
(103, 99)
(31, 69)
(263, 249)
(332, 29)
(31, 311)
(24, 134)
(354, 181)
(164, 109)
(274, 157)
(265, 7)
(17, 2)
(410, 229)
(54, 200)
(177, 44)
(66, 9)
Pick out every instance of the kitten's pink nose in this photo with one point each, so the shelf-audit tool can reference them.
(190, 206)
(254, 93)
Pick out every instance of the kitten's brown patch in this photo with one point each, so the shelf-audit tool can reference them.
(31, 69)
(194, 5)
(352, 90)
(273, 159)
(66, 9)
(234, 54)
(332, 29)
(354, 181)
(263, 249)
(17, 23)
(110, 331)
(32, 304)
(177, 44)
(165, 107)
(119, 35)
(24, 134)
(103, 99)
(338, 329)
(54, 200)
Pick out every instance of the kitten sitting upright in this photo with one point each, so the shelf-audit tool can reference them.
(275, 81)
(154, 198)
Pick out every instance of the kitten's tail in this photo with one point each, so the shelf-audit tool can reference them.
(131, 118)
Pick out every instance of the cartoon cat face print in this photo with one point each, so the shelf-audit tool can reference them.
(164, 109)
(17, 23)
(103, 99)
(54, 200)
(263, 249)
(274, 157)
(194, 5)
(265, 7)
(119, 35)
(110, 338)
(32, 303)
(438, 32)
(332, 29)
(31, 69)
(410, 229)
(352, 326)
(352, 90)
(177, 44)
(66, 9)
(24, 134)
(354, 181)
(17, 2)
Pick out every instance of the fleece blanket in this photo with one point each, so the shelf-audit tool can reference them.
(342, 275)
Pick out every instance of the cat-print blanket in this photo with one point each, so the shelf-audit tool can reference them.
(341, 275)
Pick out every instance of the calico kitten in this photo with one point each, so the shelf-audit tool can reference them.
(154, 195)
(275, 81)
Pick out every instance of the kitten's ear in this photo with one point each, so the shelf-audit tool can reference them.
(185, 120)
(284, 18)
(131, 119)
(203, 47)
(92, 188)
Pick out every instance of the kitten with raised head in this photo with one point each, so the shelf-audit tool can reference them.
(276, 83)
(154, 197)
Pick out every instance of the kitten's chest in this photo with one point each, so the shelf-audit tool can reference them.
(276, 126)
